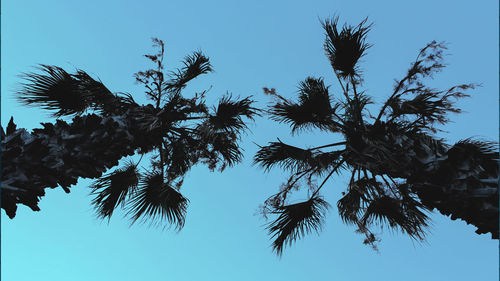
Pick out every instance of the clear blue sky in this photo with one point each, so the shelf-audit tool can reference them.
(251, 44)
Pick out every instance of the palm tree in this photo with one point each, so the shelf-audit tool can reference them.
(176, 131)
(400, 170)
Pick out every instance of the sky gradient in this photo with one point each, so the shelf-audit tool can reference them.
(251, 45)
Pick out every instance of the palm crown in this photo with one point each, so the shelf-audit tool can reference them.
(399, 169)
(176, 131)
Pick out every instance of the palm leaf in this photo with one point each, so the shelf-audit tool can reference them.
(296, 220)
(218, 147)
(428, 106)
(354, 109)
(360, 192)
(195, 65)
(67, 93)
(405, 215)
(344, 48)
(100, 97)
(112, 189)
(314, 108)
(349, 206)
(228, 114)
(148, 119)
(429, 61)
(225, 146)
(54, 90)
(324, 161)
(284, 155)
(180, 155)
(157, 201)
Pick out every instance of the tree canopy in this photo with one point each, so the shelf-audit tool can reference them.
(176, 132)
(400, 169)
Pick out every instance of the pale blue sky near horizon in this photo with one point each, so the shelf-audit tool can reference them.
(251, 45)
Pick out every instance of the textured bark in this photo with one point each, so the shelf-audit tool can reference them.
(451, 180)
(61, 153)
(464, 187)
(460, 181)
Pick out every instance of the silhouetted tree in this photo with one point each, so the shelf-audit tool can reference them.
(176, 131)
(399, 169)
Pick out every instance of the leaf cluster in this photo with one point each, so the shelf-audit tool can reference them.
(397, 166)
(175, 130)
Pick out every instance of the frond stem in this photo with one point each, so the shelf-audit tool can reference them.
(137, 164)
(360, 117)
(389, 186)
(303, 173)
(195, 117)
(327, 177)
(398, 87)
(328, 145)
(343, 88)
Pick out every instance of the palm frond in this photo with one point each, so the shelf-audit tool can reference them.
(296, 220)
(194, 65)
(403, 214)
(228, 114)
(180, 155)
(314, 108)
(355, 108)
(126, 98)
(284, 155)
(359, 193)
(157, 201)
(219, 145)
(349, 206)
(100, 97)
(324, 161)
(54, 89)
(225, 146)
(112, 189)
(157, 43)
(295, 158)
(179, 108)
(345, 47)
(428, 106)
(147, 117)
(429, 61)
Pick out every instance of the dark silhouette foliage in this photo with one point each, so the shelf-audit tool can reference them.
(400, 170)
(295, 220)
(176, 131)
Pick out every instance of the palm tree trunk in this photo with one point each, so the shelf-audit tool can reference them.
(464, 185)
(460, 181)
(61, 153)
